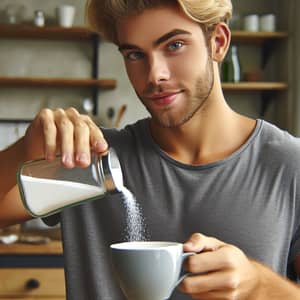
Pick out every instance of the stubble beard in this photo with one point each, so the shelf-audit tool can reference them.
(196, 100)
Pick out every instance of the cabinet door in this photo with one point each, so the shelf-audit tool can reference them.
(38, 283)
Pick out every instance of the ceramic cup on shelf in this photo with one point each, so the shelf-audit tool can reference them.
(65, 15)
(39, 18)
(251, 23)
(148, 270)
(267, 22)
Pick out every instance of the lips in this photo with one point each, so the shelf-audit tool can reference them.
(164, 99)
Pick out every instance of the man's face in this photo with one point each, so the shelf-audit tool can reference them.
(167, 62)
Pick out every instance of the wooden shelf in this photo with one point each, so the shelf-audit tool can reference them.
(255, 86)
(82, 33)
(111, 83)
(105, 84)
(52, 248)
(47, 32)
(245, 37)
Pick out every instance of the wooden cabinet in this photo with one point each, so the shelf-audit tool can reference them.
(29, 283)
(22, 281)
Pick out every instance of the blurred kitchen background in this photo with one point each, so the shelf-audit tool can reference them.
(38, 67)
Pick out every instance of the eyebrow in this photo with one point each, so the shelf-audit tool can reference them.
(159, 41)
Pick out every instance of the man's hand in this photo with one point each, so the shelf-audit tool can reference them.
(53, 132)
(222, 271)
(64, 132)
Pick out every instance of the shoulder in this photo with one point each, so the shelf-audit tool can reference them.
(128, 138)
(129, 131)
(276, 139)
(278, 146)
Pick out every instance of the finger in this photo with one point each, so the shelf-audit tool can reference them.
(66, 137)
(46, 121)
(97, 140)
(199, 242)
(224, 257)
(82, 147)
(216, 295)
(214, 281)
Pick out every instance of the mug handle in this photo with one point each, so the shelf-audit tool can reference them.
(183, 258)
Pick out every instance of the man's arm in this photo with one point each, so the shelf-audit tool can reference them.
(10, 159)
(64, 132)
(273, 286)
(11, 209)
(223, 271)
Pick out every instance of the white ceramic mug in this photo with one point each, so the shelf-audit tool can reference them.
(268, 22)
(148, 270)
(251, 23)
(65, 15)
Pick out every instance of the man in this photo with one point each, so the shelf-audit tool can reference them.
(197, 168)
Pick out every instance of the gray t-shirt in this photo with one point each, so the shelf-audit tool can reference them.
(249, 199)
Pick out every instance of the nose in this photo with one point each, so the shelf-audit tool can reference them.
(158, 70)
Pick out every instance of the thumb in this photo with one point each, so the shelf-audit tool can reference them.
(199, 242)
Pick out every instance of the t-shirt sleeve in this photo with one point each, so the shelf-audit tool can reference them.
(294, 162)
(295, 246)
(294, 252)
(292, 165)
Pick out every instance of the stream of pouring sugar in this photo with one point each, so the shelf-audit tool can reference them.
(135, 224)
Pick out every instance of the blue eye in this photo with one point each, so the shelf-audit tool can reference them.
(135, 55)
(175, 45)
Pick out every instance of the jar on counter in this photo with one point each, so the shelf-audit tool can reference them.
(39, 18)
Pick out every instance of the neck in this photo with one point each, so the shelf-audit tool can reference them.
(212, 134)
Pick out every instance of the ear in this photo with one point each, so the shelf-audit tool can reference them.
(220, 41)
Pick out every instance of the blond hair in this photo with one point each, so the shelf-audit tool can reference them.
(101, 15)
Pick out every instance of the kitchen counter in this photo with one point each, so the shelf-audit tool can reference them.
(51, 248)
(21, 254)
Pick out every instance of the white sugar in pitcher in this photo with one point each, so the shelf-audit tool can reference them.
(47, 187)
